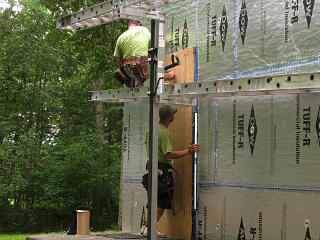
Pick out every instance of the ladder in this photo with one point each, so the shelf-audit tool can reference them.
(180, 93)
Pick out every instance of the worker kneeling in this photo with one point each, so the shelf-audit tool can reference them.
(131, 54)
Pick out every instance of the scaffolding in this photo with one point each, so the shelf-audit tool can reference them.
(179, 93)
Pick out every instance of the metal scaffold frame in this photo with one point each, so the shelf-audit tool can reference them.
(186, 93)
(138, 10)
(112, 10)
(179, 93)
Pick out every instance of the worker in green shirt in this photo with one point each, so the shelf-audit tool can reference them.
(166, 157)
(131, 54)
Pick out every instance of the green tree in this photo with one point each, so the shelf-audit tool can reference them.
(58, 152)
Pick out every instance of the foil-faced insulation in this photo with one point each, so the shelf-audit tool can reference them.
(180, 25)
(258, 167)
(259, 159)
(243, 214)
(244, 38)
(133, 195)
(216, 24)
(266, 140)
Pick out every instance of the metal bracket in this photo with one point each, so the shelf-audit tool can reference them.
(175, 62)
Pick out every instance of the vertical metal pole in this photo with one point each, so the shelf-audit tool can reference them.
(195, 174)
(153, 138)
(195, 212)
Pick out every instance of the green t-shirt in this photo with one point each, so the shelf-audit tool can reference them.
(133, 43)
(164, 144)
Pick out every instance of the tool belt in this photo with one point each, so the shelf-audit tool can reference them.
(165, 182)
(134, 60)
(121, 76)
(133, 72)
(165, 178)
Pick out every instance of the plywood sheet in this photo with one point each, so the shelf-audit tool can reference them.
(181, 136)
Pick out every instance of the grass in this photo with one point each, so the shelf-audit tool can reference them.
(19, 236)
(23, 236)
(13, 237)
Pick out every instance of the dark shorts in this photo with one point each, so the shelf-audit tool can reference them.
(165, 190)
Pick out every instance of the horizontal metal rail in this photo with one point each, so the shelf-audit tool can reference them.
(112, 10)
(120, 95)
(185, 93)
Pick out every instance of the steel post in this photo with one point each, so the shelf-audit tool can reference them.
(153, 137)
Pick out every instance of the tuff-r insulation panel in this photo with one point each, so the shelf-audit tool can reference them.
(246, 38)
(267, 140)
(229, 214)
(206, 137)
(180, 25)
(135, 127)
(134, 196)
(261, 143)
(259, 164)
(215, 38)
(277, 33)
(133, 206)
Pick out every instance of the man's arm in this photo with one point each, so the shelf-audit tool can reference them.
(182, 153)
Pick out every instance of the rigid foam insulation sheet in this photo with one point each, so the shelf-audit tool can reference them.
(250, 38)
(133, 195)
(180, 25)
(228, 214)
(278, 36)
(267, 144)
(269, 140)
(134, 199)
(244, 38)
(258, 168)
(215, 38)
(135, 127)
(206, 135)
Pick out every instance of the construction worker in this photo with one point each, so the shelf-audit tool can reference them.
(166, 156)
(131, 54)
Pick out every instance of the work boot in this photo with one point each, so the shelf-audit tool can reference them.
(160, 234)
(144, 232)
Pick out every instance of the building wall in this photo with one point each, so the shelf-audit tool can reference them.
(259, 156)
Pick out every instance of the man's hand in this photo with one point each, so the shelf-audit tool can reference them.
(179, 154)
(169, 76)
(193, 148)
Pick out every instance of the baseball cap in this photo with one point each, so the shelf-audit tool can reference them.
(166, 111)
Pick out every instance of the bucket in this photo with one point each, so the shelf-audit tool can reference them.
(83, 220)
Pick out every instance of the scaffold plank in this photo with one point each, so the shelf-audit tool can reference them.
(178, 93)
(112, 10)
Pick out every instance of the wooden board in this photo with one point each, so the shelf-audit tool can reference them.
(181, 136)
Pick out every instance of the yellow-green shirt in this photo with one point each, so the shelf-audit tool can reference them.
(164, 144)
(133, 43)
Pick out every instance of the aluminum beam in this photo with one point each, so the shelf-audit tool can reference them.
(265, 85)
(184, 93)
(112, 10)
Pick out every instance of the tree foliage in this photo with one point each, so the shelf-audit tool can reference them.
(58, 152)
